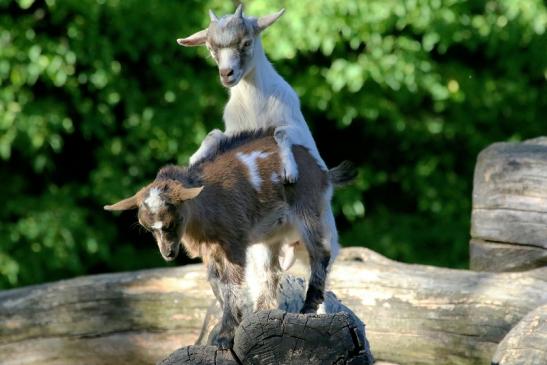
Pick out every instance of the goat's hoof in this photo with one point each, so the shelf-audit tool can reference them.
(290, 177)
(224, 342)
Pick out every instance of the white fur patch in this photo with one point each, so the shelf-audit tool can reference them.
(228, 58)
(275, 177)
(321, 309)
(257, 273)
(157, 225)
(154, 201)
(249, 160)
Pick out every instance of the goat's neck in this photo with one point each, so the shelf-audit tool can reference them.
(261, 77)
(252, 100)
(196, 218)
(247, 108)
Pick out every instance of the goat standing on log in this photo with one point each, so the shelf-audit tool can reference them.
(234, 211)
(259, 97)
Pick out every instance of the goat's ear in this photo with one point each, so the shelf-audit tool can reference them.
(181, 193)
(125, 204)
(195, 39)
(265, 21)
(128, 203)
(213, 16)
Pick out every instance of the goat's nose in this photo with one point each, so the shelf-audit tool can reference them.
(226, 72)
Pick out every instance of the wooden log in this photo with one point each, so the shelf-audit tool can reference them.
(509, 215)
(200, 355)
(526, 343)
(414, 314)
(499, 257)
(292, 291)
(278, 337)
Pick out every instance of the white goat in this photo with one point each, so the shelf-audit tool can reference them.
(259, 97)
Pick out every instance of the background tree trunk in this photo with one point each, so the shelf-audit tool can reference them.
(414, 314)
(509, 217)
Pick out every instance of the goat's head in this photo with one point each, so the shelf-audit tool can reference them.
(232, 41)
(162, 212)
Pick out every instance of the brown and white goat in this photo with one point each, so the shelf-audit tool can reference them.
(234, 211)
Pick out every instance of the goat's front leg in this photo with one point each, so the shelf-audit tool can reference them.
(262, 275)
(228, 292)
(209, 144)
(285, 137)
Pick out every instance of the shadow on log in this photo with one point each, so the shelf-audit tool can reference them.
(277, 337)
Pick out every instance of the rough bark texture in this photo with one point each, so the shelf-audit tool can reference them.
(277, 337)
(509, 216)
(526, 344)
(414, 314)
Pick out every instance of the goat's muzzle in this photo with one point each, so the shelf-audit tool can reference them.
(170, 252)
(228, 77)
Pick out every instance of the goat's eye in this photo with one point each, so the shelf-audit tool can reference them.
(246, 44)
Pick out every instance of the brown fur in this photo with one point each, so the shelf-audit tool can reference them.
(220, 219)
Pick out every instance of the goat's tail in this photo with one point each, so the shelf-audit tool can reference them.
(342, 174)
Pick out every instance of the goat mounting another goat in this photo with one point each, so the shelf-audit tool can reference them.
(259, 97)
(234, 211)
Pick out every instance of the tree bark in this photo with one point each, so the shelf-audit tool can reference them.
(526, 343)
(414, 314)
(509, 216)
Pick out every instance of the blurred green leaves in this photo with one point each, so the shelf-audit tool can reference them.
(95, 96)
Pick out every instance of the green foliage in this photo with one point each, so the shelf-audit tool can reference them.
(95, 96)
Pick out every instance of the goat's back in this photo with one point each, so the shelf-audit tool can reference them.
(251, 173)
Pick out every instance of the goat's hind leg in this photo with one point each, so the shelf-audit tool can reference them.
(314, 237)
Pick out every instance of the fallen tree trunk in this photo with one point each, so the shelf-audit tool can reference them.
(414, 314)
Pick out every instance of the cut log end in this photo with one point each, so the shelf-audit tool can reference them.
(509, 215)
(275, 336)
